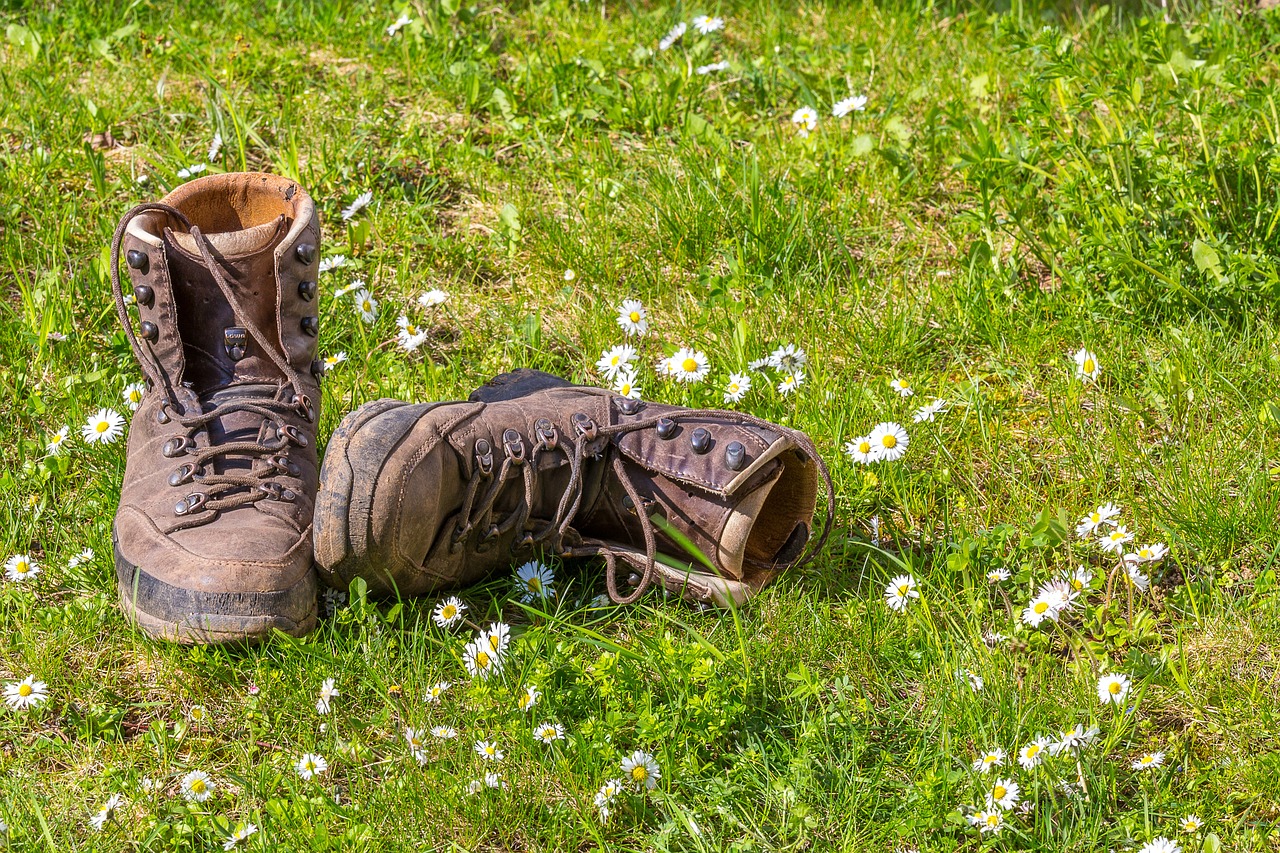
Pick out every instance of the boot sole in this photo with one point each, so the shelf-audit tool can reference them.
(341, 529)
(167, 612)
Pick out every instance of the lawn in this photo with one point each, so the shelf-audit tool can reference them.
(1020, 184)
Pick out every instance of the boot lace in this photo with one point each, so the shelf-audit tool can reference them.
(229, 489)
(520, 461)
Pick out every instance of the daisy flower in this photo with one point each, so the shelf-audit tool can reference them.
(310, 766)
(433, 298)
(570, 275)
(789, 383)
(673, 35)
(196, 786)
(358, 204)
(641, 769)
(1113, 688)
(997, 575)
(758, 365)
(548, 733)
(1060, 595)
(706, 24)
(1003, 795)
(488, 750)
(56, 442)
(449, 612)
(332, 361)
(632, 317)
(99, 820)
(1040, 609)
(1080, 579)
(627, 385)
(529, 697)
(1087, 367)
(788, 358)
(333, 262)
(496, 637)
(21, 567)
(1160, 845)
(902, 387)
(480, 660)
(435, 692)
(739, 384)
(988, 821)
(890, 441)
(991, 758)
(1032, 755)
(1190, 823)
(1102, 517)
(930, 411)
(132, 395)
(241, 834)
(198, 714)
(860, 450)
(444, 732)
(805, 119)
(327, 692)
(411, 336)
(899, 592)
(215, 147)
(192, 170)
(1148, 554)
(103, 427)
(975, 681)
(703, 70)
(366, 305)
(689, 365)
(399, 24)
(1148, 761)
(1115, 541)
(80, 559)
(851, 104)
(615, 360)
(416, 738)
(1071, 739)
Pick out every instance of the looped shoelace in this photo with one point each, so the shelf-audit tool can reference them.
(478, 509)
(226, 490)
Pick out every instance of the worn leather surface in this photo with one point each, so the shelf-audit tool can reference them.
(223, 558)
(751, 522)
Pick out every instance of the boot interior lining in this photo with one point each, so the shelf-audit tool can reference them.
(235, 202)
(789, 505)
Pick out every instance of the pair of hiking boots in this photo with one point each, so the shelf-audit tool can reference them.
(225, 514)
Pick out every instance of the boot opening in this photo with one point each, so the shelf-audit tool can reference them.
(235, 202)
(781, 526)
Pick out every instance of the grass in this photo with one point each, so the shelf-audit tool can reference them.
(1024, 181)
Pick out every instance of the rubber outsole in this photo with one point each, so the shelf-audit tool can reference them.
(186, 616)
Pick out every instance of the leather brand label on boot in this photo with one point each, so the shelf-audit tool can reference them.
(235, 339)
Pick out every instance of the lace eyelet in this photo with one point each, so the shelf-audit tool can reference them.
(190, 503)
(162, 413)
(175, 447)
(546, 433)
(484, 457)
(303, 404)
(583, 425)
(513, 446)
(293, 434)
(284, 465)
(274, 491)
(182, 474)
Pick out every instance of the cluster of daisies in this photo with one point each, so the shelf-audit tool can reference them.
(23, 567)
(618, 365)
(1103, 528)
(102, 427)
(805, 118)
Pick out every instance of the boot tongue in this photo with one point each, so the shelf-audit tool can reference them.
(237, 425)
(219, 349)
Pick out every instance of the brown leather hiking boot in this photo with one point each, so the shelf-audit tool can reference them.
(416, 498)
(213, 534)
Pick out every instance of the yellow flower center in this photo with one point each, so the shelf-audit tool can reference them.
(493, 642)
(639, 772)
(102, 426)
(448, 611)
(25, 690)
(1144, 553)
(993, 819)
(1114, 688)
(198, 786)
(482, 660)
(1088, 365)
(135, 396)
(890, 440)
(1147, 759)
(689, 365)
(634, 316)
(1077, 584)
(22, 568)
(366, 306)
(903, 384)
(1033, 750)
(998, 792)
(1041, 606)
(534, 583)
(903, 589)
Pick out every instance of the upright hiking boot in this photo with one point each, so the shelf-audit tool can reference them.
(213, 534)
(713, 505)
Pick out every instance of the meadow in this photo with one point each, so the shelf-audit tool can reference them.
(1039, 239)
